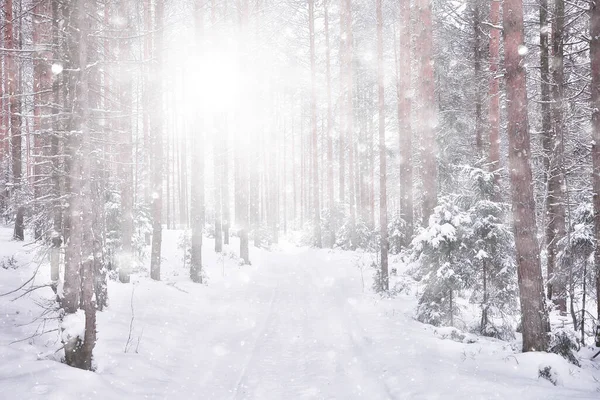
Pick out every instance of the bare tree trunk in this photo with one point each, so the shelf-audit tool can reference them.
(555, 205)
(342, 102)
(595, 91)
(79, 273)
(494, 90)
(349, 77)
(478, 58)
(428, 115)
(404, 119)
(15, 120)
(217, 158)
(156, 131)
(241, 159)
(197, 176)
(126, 161)
(54, 153)
(330, 188)
(383, 218)
(533, 312)
(225, 187)
(313, 123)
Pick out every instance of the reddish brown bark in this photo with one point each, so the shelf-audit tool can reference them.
(428, 115)
(533, 312)
(15, 116)
(404, 117)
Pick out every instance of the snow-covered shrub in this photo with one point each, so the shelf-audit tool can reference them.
(9, 262)
(575, 258)
(358, 236)
(549, 374)
(397, 234)
(468, 249)
(564, 342)
(439, 251)
(331, 220)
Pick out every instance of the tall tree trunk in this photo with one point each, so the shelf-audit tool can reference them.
(383, 218)
(533, 312)
(342, 103)
(555, 200)
(225, 186)
(330, 187)
(349, 77)
(126, 161)
(54, 154)
(478, 58)
(197, 206)
(241, 159)
(404, 118)
(494, 89)
(217, 158)
(15, 120)
(156, 131)
(595, 91)
(313, 123)
(79, 273)
(428, 114)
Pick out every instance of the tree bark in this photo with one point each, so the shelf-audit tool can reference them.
(14, 101)
(383, 218)
(555, 200)
(595, 91)
(494, 89)
(79, 272)
(156, 131)
(533, 312)
(330, 185)
(313, 123)
(428, 115)
(404, 118)
(126, 160)
(197, 176)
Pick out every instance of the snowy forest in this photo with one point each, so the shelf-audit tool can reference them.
(299, 199)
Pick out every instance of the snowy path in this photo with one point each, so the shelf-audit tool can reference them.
(295, 325)
(299, 326)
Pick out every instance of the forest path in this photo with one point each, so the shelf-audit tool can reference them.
(299, 326)
(294, 325)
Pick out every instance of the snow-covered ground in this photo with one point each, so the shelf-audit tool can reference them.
(297, 324)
